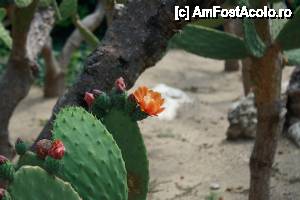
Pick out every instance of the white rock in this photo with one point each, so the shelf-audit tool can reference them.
(173, 99)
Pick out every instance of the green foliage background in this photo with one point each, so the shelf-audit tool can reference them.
(60, 34)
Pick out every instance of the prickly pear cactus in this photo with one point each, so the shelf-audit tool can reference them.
(127, 134)
(119, 113)
(34, 183)
(93, 162)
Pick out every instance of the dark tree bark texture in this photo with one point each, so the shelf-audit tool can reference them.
(135, 41)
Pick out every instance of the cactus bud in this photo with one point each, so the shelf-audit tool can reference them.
(42, 148)
(3, 160)
(57, 150)
(89, 98)
(102, 105)
(120, 85)
(20, 146)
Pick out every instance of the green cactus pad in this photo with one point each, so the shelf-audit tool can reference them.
(253, 42)
(68, 8)
(289, 37)
(52, 166)
(30, 158)
(210, 43)
(23, 3)
(293, 57)
(34, 183)
(93, 162)
(129, 138)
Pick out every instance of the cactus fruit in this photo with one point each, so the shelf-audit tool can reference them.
(57, 150)
(93, 162)
(34, 183)
(20, 147)
(42, 148)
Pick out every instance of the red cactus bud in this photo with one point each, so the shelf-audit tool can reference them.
(43, 147)
(89, 98)
(120, 84)
(3, 160)
(2, 193)
(57, 150)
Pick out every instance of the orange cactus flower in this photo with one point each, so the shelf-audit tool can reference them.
(149, 101)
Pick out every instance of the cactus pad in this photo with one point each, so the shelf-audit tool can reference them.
(210, 43)
(29, 158)
(93, 162)
(129, 138)
(35, 184)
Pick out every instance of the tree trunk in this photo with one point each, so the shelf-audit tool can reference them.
(267, 76)
(127, 50)
(266, 73)
(28, 39)
(233, 26)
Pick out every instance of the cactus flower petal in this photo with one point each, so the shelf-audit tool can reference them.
(149, 101)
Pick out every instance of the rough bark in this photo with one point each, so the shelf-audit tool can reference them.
(28, 39)
(135, 41)
(266, 73)
(57, 68)
(233, 26)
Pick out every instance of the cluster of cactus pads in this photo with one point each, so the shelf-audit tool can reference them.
(94, 154)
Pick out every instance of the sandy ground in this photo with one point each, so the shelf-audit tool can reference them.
(190, 152)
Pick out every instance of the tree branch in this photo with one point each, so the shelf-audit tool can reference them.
(28, 30)
(91, 22)
(135, 41)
